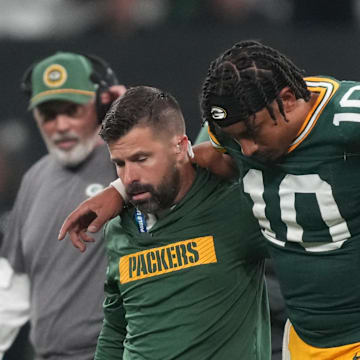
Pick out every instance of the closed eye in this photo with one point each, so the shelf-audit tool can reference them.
(142, 159)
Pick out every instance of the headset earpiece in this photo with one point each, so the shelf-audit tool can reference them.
(102, 86)
(25, 85)
(104, 77)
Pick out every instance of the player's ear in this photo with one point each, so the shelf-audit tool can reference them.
(182, 144)
(288, 99)
(181, 148)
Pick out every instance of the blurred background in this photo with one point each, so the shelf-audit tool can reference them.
(163, 43)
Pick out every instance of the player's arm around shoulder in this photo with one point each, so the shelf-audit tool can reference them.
(210, 154)
(219, 163)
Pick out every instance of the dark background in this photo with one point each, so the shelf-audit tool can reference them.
(175, 59)
(320, 37)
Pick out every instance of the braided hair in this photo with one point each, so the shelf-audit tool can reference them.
(245, 79)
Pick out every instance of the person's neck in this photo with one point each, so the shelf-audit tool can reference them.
(187, 177)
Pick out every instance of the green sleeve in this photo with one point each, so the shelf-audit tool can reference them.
(110, 342)
(246, 226)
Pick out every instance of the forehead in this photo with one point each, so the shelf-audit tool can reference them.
(138, 139)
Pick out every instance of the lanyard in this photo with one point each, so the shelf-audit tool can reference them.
(141, 221)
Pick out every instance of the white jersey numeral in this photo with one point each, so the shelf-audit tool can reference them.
(289, 186)
(346, 102)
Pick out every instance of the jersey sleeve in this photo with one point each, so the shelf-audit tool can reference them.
(110, 342)
(254, 242)
(110, 345)
(244, 225)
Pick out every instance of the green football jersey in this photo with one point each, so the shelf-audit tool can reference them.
(308, 205)
(192, 287)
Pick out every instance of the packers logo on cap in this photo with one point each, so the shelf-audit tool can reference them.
(55, 75)
(218, 113)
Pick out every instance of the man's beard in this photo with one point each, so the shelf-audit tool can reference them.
(162, 197)
(74, 156)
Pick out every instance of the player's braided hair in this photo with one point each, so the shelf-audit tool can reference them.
(252, 76)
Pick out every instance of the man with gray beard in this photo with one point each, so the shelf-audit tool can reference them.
(43, 280)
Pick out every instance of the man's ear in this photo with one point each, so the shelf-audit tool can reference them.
(184, 143)
(288, 99)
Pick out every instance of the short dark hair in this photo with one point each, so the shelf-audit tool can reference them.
(249, 77)
(142, 105)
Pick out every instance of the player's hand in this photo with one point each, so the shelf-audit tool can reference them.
(90, 216)
(113, 93)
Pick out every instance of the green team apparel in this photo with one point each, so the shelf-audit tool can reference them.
(308, 206)
(192, 287)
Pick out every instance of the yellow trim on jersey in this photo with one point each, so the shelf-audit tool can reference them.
(215, 142)
(299, 350)
(326, 88)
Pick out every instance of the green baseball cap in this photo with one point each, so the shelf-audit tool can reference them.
(62, 76)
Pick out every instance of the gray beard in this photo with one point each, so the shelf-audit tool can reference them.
(75, 156)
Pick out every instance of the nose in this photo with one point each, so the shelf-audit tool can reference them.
(62, 123)
(128, 174)
(248, 147)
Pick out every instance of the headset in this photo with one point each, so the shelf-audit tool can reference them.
(102, 75)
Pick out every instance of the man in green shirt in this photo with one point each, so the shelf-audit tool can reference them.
(182, 281)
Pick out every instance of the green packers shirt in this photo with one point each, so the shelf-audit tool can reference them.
(308, 207)
(192, 287)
